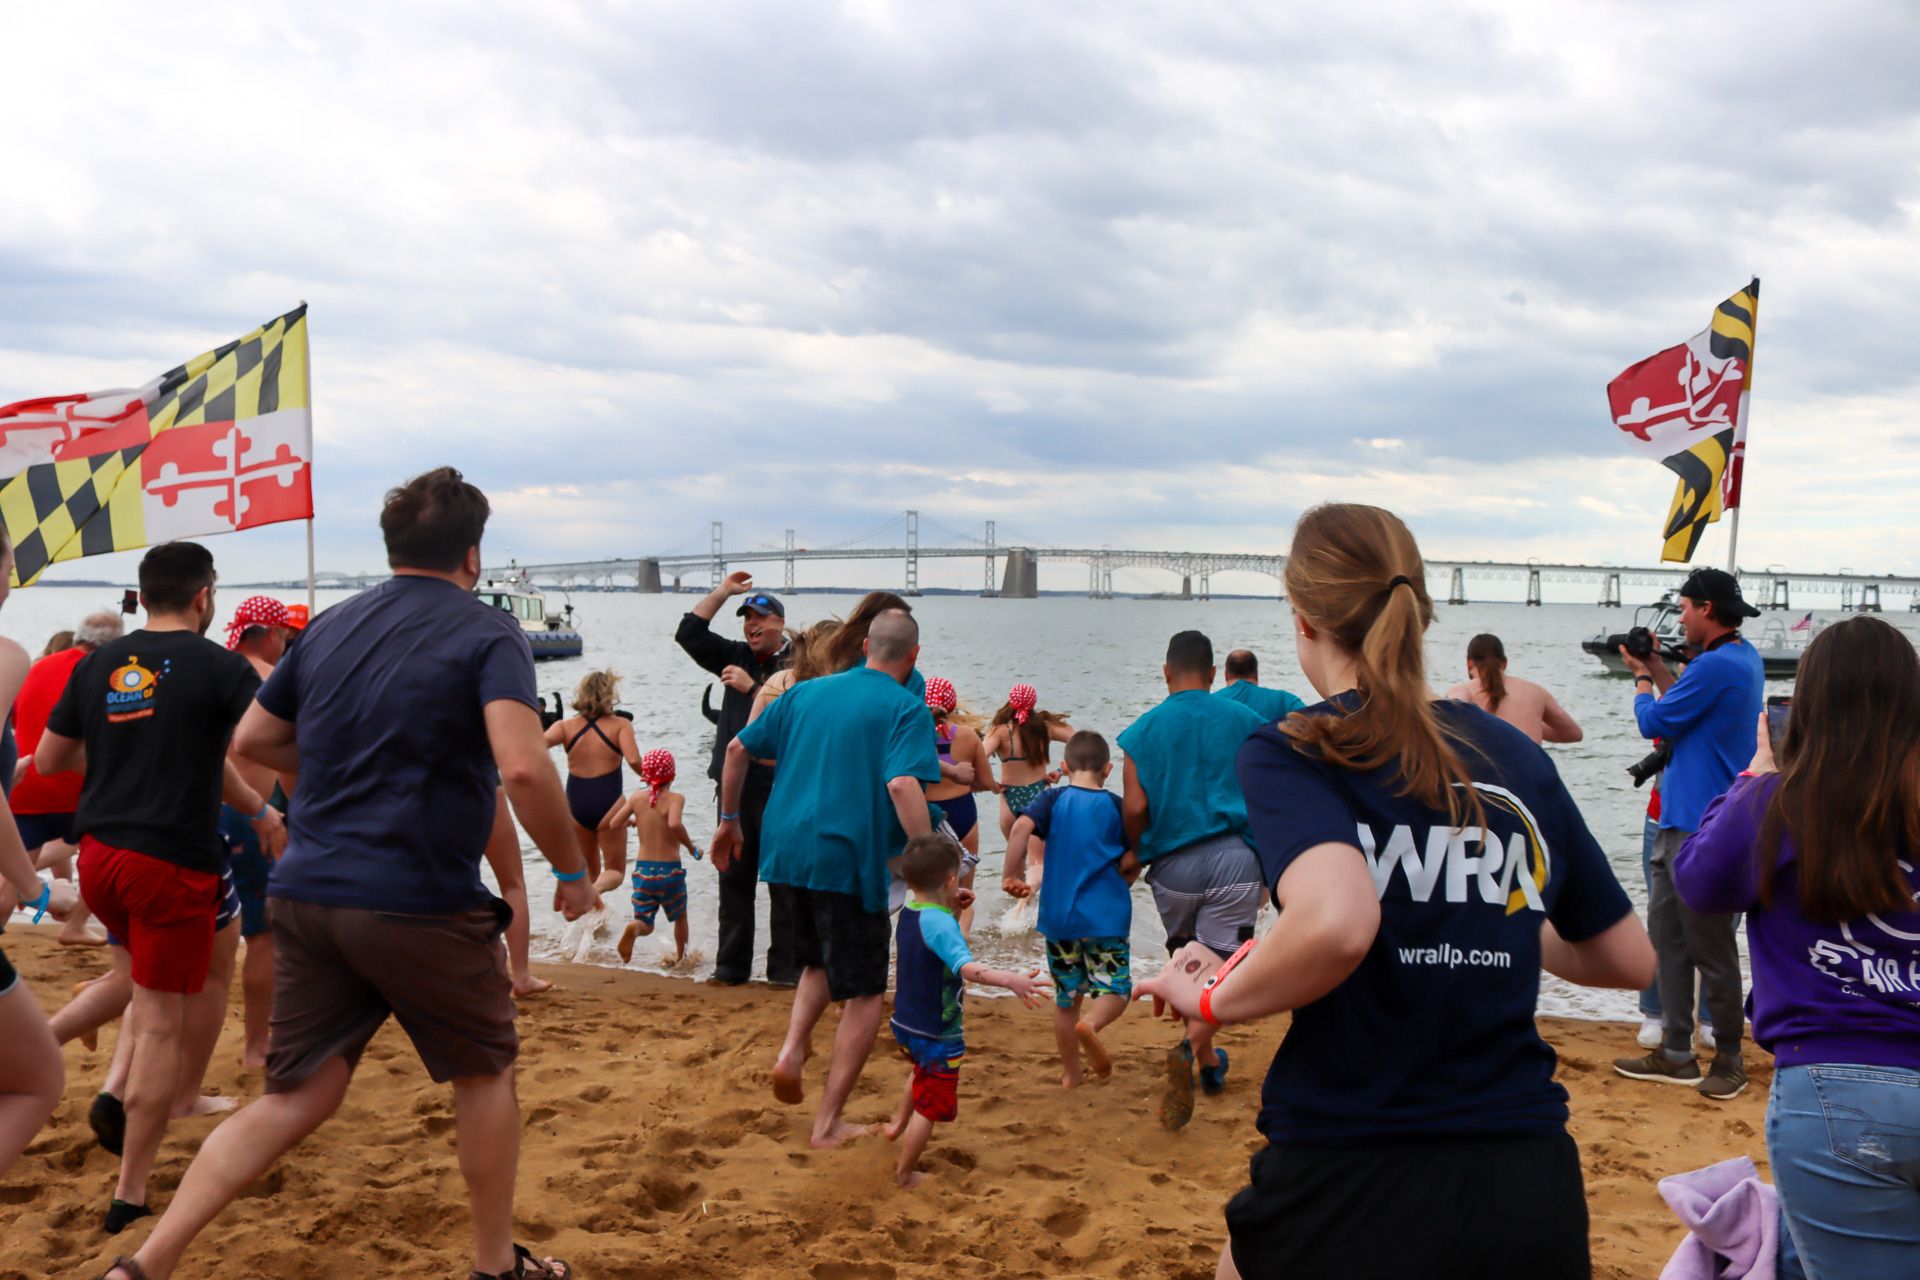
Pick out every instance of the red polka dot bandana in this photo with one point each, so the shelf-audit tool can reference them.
(1022, 698)
(940, 694)
(256, 611)
(656, 770)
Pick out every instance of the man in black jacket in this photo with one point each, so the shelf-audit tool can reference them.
(743, 666)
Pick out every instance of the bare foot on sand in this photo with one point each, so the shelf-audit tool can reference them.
(1072, 1079)
(787, 1084)
(72, 935)
(625, 945)
(908, 1181)
(253, 1059)
(530, 986)
(1097, 1057)
(841, 1133)
(205, 1105)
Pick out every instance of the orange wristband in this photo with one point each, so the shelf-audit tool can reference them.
(1206, 992)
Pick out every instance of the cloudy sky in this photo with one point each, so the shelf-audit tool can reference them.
(1152, 276)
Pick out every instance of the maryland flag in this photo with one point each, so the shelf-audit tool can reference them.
(1687, 407)
(221, 443)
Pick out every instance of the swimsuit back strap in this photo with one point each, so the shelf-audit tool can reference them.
(593, 726)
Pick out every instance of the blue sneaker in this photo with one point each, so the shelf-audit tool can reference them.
(1214, 1079)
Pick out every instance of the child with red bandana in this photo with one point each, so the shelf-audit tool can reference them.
(659, 878)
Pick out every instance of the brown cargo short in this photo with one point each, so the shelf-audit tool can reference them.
(338, 972)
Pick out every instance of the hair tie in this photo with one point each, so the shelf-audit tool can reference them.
(1399, 580)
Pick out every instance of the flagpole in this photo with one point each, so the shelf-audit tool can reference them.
(306, 375)
(1746, 420)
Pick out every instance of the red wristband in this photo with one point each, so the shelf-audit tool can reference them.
(1206, 992)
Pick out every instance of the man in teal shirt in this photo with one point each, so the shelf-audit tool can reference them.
(1243, 686)
(853, 753)
(1187, 821)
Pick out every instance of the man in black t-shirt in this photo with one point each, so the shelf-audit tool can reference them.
(743, 666)
(147, 718)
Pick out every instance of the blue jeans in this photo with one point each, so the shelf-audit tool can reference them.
(1845, 1146)
(1650, 998)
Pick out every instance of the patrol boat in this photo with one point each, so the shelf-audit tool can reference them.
(1779, 646)
(551, 636)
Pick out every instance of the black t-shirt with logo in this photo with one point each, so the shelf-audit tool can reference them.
(1434, 1033)
(156, 710)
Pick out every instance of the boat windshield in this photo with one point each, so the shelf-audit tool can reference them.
(526, 608)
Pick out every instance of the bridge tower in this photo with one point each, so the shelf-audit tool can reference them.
(1023, 578)
(1777, 595)
(991, 588)
(1610, 591)
(913, 553)
(646, 577)
(1457, 587)
(1533, 587)
(1206, 583)
(716, 567)
(787, 583)
(1870, 598)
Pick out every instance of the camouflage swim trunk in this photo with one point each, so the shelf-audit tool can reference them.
(1089, 966)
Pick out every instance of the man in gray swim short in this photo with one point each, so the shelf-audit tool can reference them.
(1187, 821)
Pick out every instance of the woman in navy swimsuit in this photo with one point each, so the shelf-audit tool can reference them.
(597, 743)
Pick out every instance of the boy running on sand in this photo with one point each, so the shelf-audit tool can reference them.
(659, 879)
(1086, 912)
(933, 964)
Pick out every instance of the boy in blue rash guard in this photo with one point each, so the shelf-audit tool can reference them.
(1086, 911)
(932, 965)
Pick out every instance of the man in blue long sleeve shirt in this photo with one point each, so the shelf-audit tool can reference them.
(1710, 714)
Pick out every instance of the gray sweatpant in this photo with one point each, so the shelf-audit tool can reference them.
(1685, 941)
(1208, 892)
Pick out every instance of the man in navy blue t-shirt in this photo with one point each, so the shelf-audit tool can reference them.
(394, 711)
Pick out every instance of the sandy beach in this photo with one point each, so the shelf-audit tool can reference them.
(652, 1147)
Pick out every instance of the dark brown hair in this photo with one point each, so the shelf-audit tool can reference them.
(1849, 791)
(1242, 665)
(1345, 576)
(433, 520)
(1087, 752)
(173, 573)
(847, 648)
(1489, 659)
(926, 862)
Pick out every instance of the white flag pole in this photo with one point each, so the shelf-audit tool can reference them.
(306, 374)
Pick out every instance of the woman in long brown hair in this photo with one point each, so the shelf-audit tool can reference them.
(1824, 857)
(1021, 737)
(1521, 703)
(1428, 863)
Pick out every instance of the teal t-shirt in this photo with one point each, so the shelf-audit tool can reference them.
(1269, 704)
(837, 742)
(1183, 752)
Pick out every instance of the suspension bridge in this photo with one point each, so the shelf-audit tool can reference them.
(1010, 568)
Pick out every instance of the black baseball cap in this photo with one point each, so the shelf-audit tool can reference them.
(1719, 588)
(761, 603)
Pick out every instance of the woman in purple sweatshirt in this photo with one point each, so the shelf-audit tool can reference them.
(1824, 856)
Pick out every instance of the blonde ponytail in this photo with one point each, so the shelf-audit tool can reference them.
(1355, 572)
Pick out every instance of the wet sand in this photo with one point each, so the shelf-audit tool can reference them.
(653, 1147)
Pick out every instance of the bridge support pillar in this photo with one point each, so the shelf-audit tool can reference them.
(1457, 587)
(646, 578)
(1206, 586)
(1610, 591)
(1186, 586)
(1022, 581)
(1870, 598)
(1533, 589)
(1777, 594)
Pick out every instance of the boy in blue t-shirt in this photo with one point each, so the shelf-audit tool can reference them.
(1086, 911)
(932, 964)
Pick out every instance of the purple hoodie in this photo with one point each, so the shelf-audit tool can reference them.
(1822, 993)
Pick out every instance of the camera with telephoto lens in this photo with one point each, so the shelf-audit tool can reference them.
(1641, 643)
(1656, 760)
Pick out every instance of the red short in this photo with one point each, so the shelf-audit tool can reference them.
(936, 1092)
(164, 913)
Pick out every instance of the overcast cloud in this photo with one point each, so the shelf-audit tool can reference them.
(1107, 274)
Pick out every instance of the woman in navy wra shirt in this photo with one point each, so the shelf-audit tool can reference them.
(1428, 863)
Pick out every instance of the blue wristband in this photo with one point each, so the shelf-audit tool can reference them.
(39, 905)
(262, 814)
(729, 817)
(568, 877)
